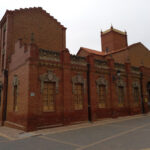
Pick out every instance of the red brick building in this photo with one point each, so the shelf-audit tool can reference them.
(43, 85)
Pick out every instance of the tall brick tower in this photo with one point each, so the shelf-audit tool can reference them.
(113, 39)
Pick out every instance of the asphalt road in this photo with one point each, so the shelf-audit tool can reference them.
(130, 134)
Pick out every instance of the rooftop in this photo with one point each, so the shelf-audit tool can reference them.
(96, 52)
(113, 29)
(30, 9)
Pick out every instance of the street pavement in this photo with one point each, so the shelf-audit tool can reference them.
(125, 133)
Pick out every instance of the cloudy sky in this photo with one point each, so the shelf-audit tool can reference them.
(85, 19)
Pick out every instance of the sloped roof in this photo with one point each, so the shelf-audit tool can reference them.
(126, 48)
(30, 9)
(113, 29)
(95, 52)
(91, 51)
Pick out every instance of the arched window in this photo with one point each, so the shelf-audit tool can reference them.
(136, 91)
(121, 88)
(49, 89)
(78, 91)
(101, 85)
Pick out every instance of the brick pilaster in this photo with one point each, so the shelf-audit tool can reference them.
(92, 88)
(113, 91)
(129, 88)
(144, 89)
(67, 86)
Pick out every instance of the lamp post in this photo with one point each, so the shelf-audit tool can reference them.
(142, 100)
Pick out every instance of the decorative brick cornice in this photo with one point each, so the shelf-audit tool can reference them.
(78, 60)
(120, 67)
(49, 55)
(30, 10)
(101, 64)
(50, 64)
(135, 70)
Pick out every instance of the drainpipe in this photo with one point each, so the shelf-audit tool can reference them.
(5, 96)
(88, 90)
(142, 102)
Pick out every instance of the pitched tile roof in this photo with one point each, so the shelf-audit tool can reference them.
(91, 51)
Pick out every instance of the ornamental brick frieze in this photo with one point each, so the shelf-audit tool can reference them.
(78, 68)
(136, 76)
(101, 81)
(101, 71)
(49, 55)
(49, 77)
(78, 79)
(101, 64)
(135, 70)
(55, 65)
(78, 60)
(119, 67)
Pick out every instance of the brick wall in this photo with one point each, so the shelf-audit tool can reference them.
(50, 61)
(47, 32)
(113, 41)
(65, 67)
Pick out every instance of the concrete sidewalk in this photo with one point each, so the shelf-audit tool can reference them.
(124, 133)
(14, 134)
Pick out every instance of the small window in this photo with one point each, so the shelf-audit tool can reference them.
(15, 98)
(136, 94)
(121, 96)
(78, 97)
(49, 97)
(102, 96)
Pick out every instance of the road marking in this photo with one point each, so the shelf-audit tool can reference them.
(7, 137)
(3, 141)
(120, 126)
(147, 130)
(59, 141)
(97, 123)
(111, 137)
